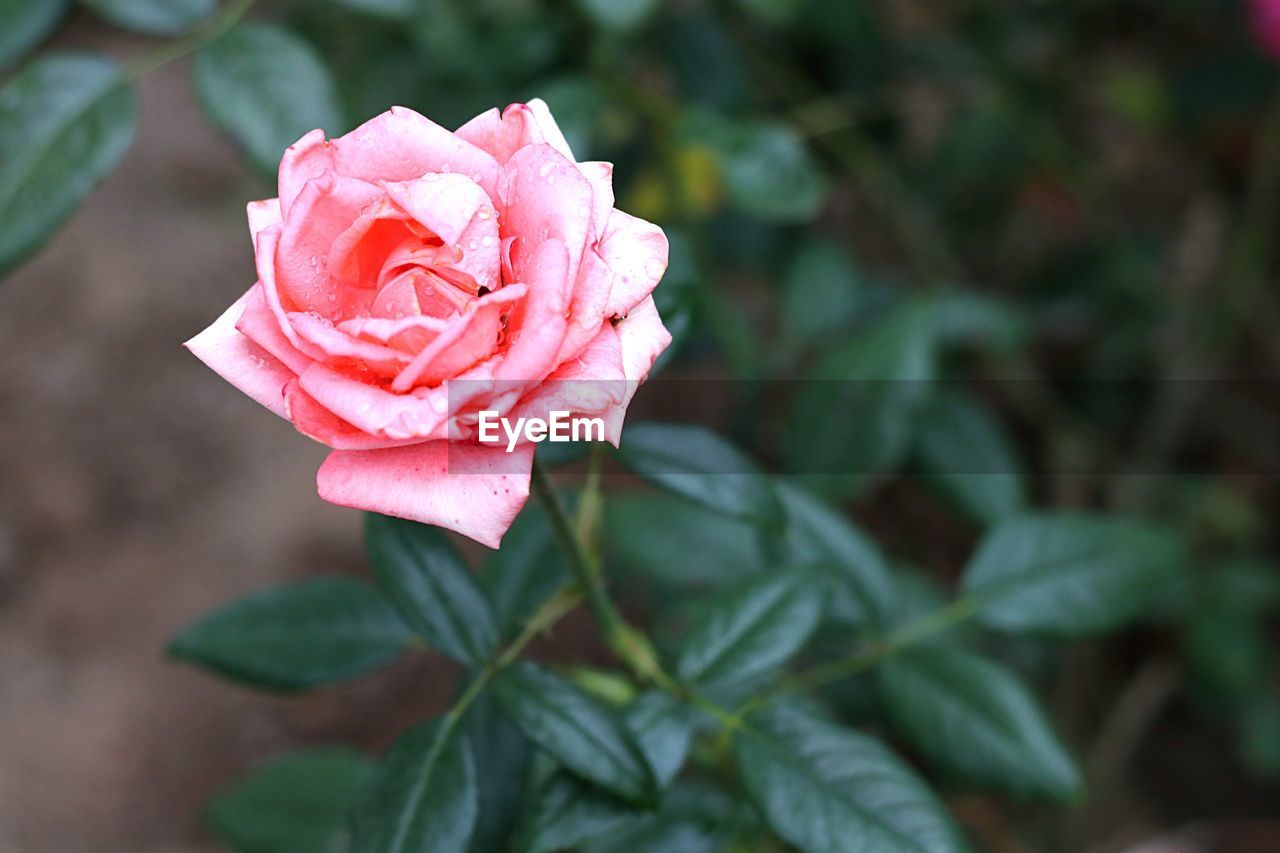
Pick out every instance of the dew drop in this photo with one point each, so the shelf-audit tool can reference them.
(474, 244)
(545, 169)
(487, 240)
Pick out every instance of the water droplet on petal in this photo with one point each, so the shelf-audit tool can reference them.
(487, 240)
(545, 169)
(473, 245)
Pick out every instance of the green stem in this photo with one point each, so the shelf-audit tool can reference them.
(178, 48)
(631, 646)
(548, 614)
(924, 628)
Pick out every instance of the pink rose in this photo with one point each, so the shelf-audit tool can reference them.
(1265, 18)
(409, 277)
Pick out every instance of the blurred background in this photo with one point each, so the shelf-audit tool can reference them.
(1063, 214)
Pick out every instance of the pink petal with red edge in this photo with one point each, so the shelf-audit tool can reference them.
(420, 415)
(318, 423)
(636, 251)
(471, 489)
(535, 335)
(240, 361)
(470, 337)
(260, 324)
(546, 198)
(398, 145)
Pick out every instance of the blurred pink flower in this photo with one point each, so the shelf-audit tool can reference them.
(409, 277)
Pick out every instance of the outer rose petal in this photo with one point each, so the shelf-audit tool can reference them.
(260, 324)
(474, 490)
(546, 197)
(262, 215)
(550, 130)
(636, 251)
(398, 145)
(592, 383)
(240, 361)
(600, 174)
(318, 423)
(641, 338)
(419, 415)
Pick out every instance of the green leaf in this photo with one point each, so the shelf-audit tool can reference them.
(618, 15)
(767, 170)
(694, 818)
(726, 549)
(429, 582)
(298, 636)
(158, 17)
(296, 803)
(663, 726)
(822, 293)
(524, 572)
(818, 533)
(699, 465)
(567, 813)
(968, 459)
(65, 122)
(266, 88)
(752, 631)
(26, 23)
(503, 756)
(825, 788)
(973, 319)
(854, 419)
(423, 797)
(395, 10)
(576, 729)
(976, 720)
(1068, 574)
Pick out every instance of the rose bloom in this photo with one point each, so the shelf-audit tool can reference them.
(410, 277)
(1264, 15)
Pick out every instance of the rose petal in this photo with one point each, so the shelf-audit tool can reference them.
(535, 334)
(636, 251)
(240, 361)
(502, 134)
(551, 132)
(590, 298)
(263, 214)
(600, 176)
(398, 145)
(324, 209)
(342, 348)
(641, 339)
(461, 214)
(318, 423)
(472, 489)
(260, 324)
(546, 198)
(469, 338)
(590, 384)
(421, 414)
